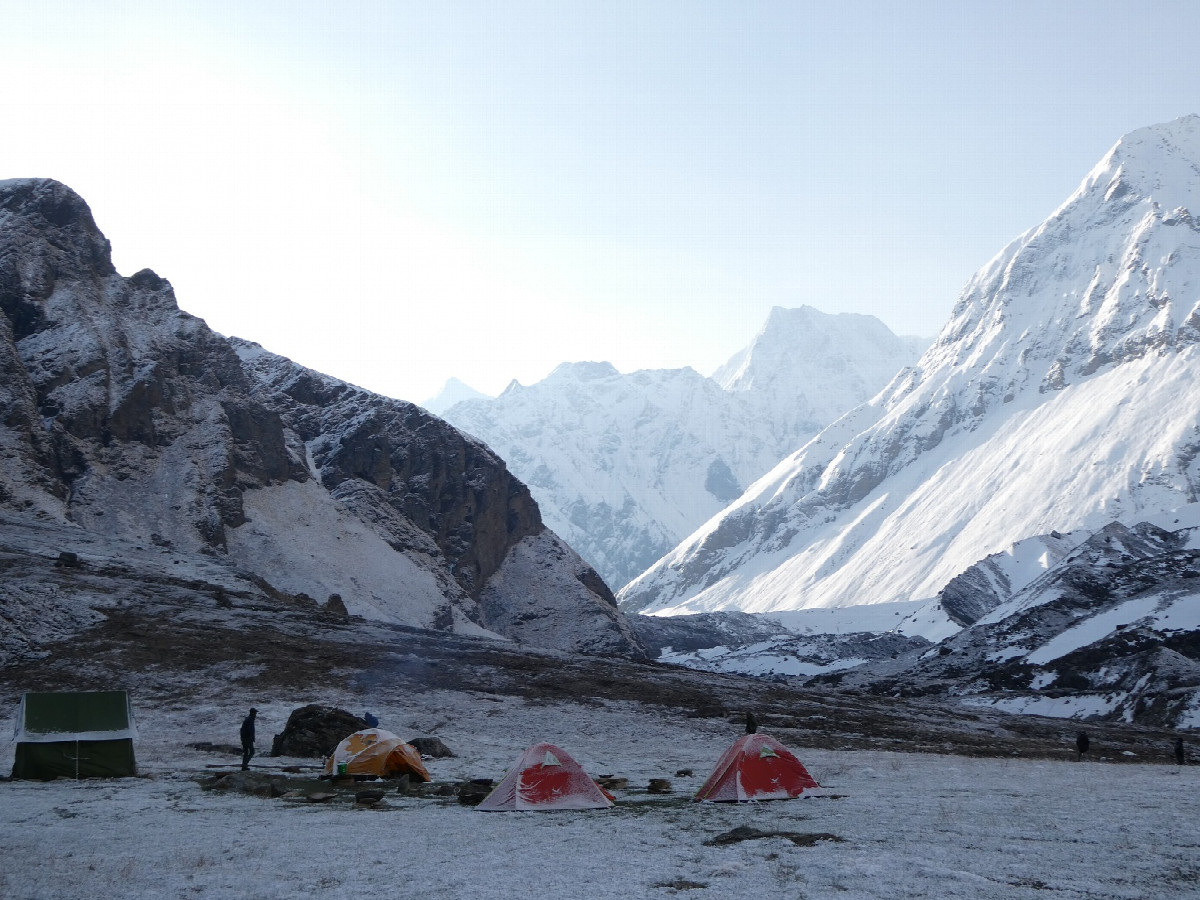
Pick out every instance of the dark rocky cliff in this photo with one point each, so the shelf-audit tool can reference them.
(108, 376)
(371, 450)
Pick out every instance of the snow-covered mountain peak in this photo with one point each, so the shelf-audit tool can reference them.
(1110, 276)
(582, 371)
(625, 465)
(810, 366)
(1158, 161)
(805, 349)
(1063, 393)
(453, 391)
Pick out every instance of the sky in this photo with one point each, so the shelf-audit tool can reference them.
(396, 193)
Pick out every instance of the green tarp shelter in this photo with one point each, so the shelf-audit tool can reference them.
(77, 735)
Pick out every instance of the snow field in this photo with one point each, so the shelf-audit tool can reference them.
(910, 825)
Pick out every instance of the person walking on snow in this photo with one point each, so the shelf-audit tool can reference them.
(248, 738)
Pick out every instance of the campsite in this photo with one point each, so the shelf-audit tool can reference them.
(915, 800)
(886, 824)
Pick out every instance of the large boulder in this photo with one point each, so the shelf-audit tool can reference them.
(430, 746)
(315, 730)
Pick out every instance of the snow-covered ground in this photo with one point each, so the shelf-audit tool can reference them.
(908, 825)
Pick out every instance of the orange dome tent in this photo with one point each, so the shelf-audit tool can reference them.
(374, 751)
(756, 767)
(546, 777)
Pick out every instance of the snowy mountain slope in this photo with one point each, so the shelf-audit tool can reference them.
(625, 466)
(806, 368)
(125, 417)
(794, 655)
(1064, 393)
(1100, 625)
(421, 491)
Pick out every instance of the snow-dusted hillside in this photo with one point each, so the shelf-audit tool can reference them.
(1098, 625)
(1063, 394)
(1111, 630)
(124, 417)
(625, 466)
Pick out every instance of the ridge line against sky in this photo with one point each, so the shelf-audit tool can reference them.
(396, 193)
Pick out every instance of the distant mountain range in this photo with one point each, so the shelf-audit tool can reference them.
(624, 466)
(454, 391)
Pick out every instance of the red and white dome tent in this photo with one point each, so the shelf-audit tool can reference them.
(756, 767)
(545, 778)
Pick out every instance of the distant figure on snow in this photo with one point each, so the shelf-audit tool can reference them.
(248, 738)
(371, 721)
(1180, 756)
(751, 723)
(1081, 744)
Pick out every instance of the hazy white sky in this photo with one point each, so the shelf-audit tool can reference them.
(399, 192)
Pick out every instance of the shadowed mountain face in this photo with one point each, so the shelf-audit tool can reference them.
(124, 416)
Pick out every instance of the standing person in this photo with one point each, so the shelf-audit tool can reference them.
(1180, 756)
(248, 738)
(1081, 744)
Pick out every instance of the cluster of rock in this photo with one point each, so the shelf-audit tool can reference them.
(315, 730)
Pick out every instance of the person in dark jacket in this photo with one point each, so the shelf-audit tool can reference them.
(371, 720)
(1081, 744)
(1180, 754)
(248, 738)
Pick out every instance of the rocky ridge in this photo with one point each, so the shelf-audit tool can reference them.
(125, 417)
(1101, 626)
(1111, 632)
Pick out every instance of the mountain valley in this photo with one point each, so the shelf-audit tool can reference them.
(1008, 526)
